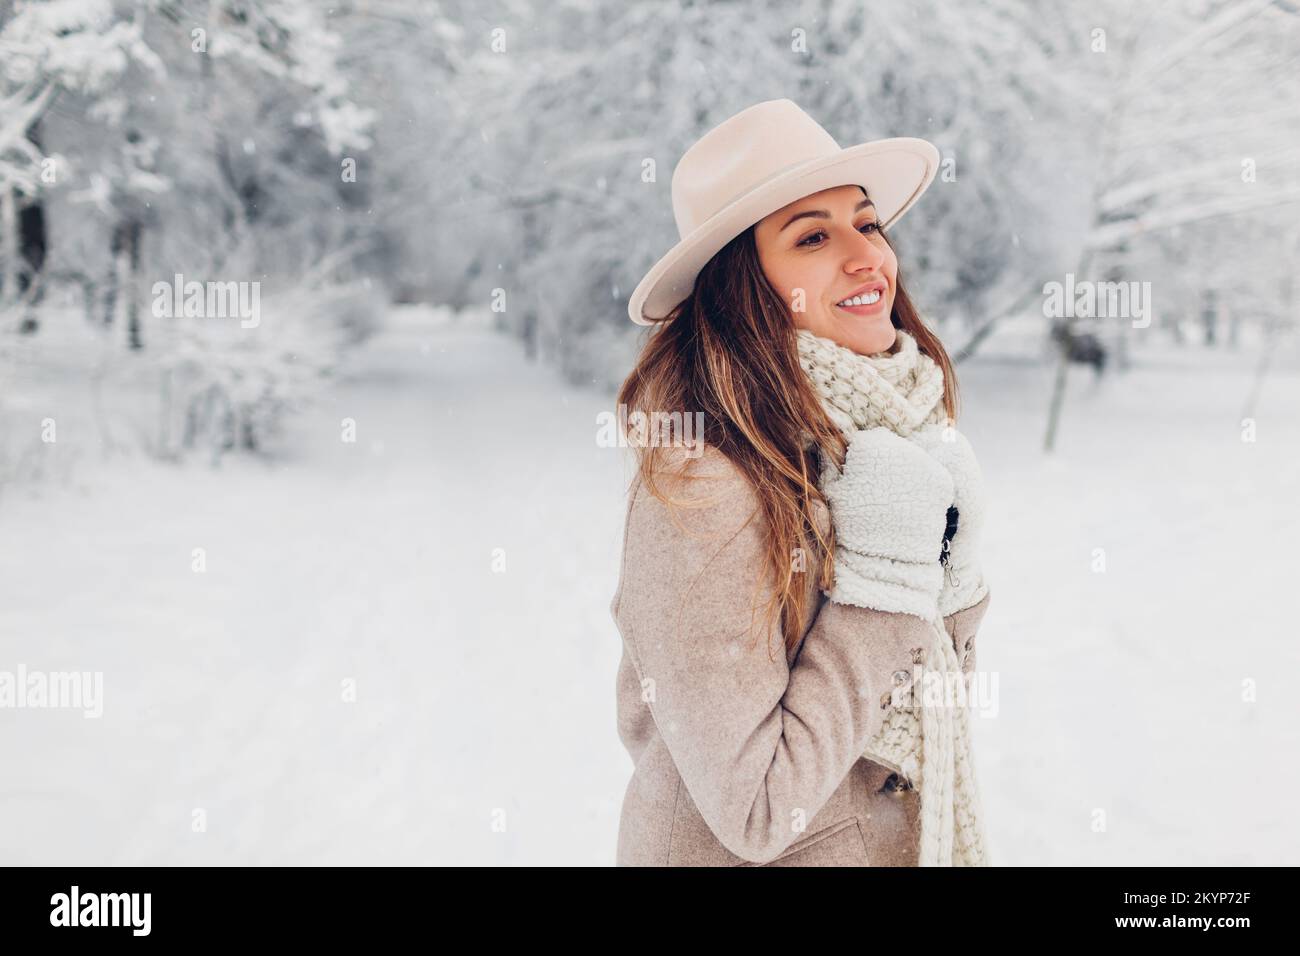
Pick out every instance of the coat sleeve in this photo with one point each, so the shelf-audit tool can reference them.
(963, 626)
(760, 745)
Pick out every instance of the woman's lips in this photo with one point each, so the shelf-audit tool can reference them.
(872, 309)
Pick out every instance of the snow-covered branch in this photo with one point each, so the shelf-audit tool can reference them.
(1112, 234)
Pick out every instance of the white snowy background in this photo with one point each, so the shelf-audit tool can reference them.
(446, 206)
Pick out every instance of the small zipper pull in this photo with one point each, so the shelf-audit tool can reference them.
(948, 570)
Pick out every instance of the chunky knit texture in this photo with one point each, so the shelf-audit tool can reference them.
(926, 734)
(900, 389)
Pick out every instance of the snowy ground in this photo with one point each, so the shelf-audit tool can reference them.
(1121, 735)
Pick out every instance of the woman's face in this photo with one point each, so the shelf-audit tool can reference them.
(826, 248)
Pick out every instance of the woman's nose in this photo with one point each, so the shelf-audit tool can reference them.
(865, 255)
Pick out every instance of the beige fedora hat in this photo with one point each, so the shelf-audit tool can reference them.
(752, 164)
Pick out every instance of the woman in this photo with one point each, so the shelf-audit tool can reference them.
(795, 730)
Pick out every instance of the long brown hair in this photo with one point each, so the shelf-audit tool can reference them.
(729, 351)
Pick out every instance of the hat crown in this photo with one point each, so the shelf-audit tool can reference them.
(743, 151)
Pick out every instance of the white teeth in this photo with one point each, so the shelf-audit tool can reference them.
(871, 298)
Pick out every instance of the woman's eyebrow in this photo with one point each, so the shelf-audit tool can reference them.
(821, 214)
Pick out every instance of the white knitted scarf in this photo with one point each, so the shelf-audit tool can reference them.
(926, 734)
(900, 388)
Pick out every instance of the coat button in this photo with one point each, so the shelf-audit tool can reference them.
(895, 784)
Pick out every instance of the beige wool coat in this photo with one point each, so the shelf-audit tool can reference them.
(744, 756)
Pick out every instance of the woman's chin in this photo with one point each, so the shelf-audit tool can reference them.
(865, 334)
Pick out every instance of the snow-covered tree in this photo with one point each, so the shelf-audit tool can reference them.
(48, 50)
(1182, 147)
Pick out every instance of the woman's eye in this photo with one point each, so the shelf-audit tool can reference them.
(867, 228)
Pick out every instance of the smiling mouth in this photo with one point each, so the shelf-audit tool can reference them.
(867, 298)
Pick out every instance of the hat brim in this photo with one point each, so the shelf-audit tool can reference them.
(895, 172)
